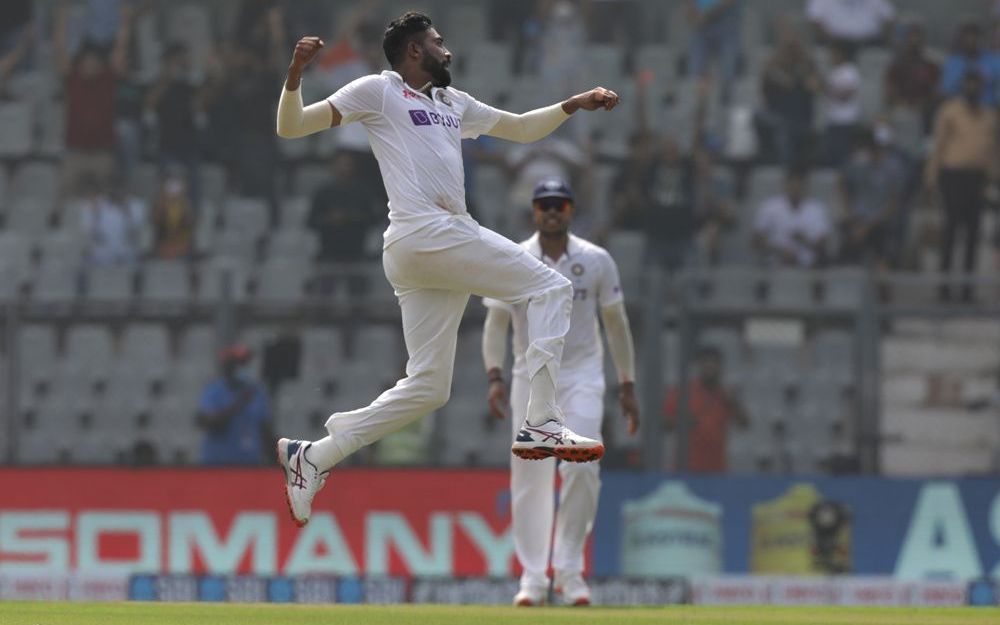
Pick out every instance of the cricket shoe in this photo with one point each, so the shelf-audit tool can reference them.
(573, 589)
(553, 439)
(527, 597)
(303, 479)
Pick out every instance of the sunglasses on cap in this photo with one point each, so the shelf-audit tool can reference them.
(552, 203)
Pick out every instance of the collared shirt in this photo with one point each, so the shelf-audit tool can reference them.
(779, 223)
(965, 138)
(417, 141)
(596, 285)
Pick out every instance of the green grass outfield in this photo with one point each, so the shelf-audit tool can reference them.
(31, 613)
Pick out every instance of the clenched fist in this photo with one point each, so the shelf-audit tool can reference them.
(596, 98)
(305, 51)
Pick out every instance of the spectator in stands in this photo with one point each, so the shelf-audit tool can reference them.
(243, 136)
(654, 193)
(851, 22)
(789, 83)
(235, 414)
(715, 205)
(342, 213)
(91, 79)
(561, 46)
(967, 56)
(355, 51)
(172, 108)
(965, 153)
(715, 33)
(843, 106)
(670, 219)
(791, 228)
(17, 32)
(173, 220)
(629, 192)
(871, 190)
(712, 409)
(282, 357)
(112, 222)
(911, 81)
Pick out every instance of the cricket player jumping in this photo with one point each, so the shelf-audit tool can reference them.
(435, 255)
(580, 392)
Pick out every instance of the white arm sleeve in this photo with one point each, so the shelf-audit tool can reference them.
(530, 126)
(619, 333)
(295, 121)
(495, 337)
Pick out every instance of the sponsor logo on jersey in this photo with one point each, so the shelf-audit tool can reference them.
(409, 94)
(420, 117)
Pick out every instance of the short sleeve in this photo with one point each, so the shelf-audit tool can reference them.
(477, 118)
(609, 291)
(360, 100)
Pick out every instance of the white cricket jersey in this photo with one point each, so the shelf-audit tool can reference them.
(596, 285)
(417, 140)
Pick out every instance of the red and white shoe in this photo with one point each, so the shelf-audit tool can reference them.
(573, 589)
(303, 479)
(553, 439)
(529, 597)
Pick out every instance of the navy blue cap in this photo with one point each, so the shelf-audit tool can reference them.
(552, 187)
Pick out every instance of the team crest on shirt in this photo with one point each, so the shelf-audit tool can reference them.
(577, 269)
(409, 94)
(444, 97)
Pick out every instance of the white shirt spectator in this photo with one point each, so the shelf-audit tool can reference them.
(843, 87)
(853, 20)
(113, 229)
(794, 229)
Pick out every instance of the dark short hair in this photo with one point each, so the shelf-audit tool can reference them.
(400, 32)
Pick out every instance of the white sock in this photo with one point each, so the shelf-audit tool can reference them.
(325, 453)
(542, 399)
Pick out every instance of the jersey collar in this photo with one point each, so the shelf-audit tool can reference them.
(572, 248)
(397, 77)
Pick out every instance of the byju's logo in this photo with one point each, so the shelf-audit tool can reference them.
(422, 117)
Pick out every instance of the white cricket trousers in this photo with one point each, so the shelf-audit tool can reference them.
(532, 486)
(433, 271)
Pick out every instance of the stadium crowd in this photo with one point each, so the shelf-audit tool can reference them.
(157, 115)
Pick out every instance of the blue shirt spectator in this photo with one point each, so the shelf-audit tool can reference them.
(235, 413)
(970, 56)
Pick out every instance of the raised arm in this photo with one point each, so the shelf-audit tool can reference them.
(540, 123)
(294, 119)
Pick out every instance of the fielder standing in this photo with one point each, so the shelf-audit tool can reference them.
(580, 392)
